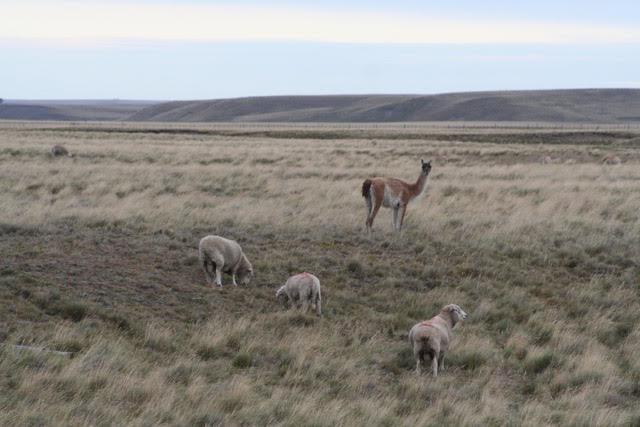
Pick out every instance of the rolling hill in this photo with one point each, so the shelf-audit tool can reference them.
(70, 110)
(584, 105)
(570, 105)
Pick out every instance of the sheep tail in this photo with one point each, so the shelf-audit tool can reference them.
(366, 187)
(423, 339)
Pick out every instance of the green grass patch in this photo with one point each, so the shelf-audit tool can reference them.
(242, 361)
(537, 364)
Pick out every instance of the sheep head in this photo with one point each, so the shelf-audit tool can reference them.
(455, 313)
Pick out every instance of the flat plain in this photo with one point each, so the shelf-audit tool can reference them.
(98, 256)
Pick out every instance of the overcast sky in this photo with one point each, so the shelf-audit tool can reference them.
(160, 49)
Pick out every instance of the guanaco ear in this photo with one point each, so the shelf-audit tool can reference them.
(422, 161)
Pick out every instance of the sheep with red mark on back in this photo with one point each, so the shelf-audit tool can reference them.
(432, 337)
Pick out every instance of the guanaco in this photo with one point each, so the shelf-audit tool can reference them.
(393, 193)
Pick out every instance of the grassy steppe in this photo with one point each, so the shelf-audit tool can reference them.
(98, 255)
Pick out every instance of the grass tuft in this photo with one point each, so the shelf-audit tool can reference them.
(242, 361)
(467, 360)
(537, 364)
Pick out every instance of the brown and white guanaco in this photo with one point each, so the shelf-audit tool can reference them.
(393, 193)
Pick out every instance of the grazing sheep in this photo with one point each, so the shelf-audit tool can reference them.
(59, 150)
(431, 337)
(224, 255)
(611, 159)
(302, 288)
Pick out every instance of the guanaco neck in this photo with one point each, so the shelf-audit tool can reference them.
(420, 185)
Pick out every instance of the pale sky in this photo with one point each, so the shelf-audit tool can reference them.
(160, 49)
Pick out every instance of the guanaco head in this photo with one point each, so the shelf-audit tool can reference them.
(426, 166)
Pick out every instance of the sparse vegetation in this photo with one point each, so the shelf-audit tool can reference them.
(544, 258)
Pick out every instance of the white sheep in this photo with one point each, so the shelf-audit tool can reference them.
(224, 255)
(303, 288)
(431, 337)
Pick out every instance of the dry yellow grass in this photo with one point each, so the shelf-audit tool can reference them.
(543, 257)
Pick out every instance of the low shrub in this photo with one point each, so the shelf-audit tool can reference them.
(242, 361)
(537, 364)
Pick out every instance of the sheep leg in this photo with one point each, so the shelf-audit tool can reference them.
(219, 275)
(217, 262)
(318, 305)
(233, 275)
(293, 304)
(207, 274)
(305, 305)
(419, 359)
(234, 279)
(204, 263)
(441, 362)
(434, 365)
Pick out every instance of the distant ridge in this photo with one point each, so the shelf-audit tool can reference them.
(571, 105)
(70, 110)
(567, 105)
